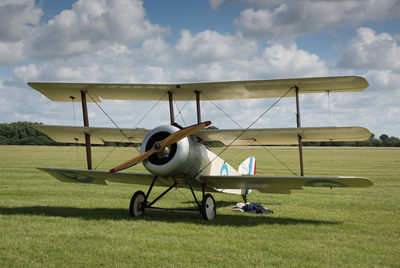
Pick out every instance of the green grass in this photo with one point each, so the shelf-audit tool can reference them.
(44, 222)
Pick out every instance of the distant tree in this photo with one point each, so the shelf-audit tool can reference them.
(211, 127)
(384, 138)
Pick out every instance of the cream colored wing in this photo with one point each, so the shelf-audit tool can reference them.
(102, 176)
(282, 184)
(97, 134)
(275, 136)
(273, 88)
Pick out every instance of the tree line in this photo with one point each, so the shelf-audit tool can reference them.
(23, 133)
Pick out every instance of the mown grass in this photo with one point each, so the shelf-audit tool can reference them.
(44, 222)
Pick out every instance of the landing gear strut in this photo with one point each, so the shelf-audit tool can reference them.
(244, 196)
(139, 203)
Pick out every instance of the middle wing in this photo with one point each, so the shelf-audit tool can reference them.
(282, 184)
(98, 135)
(264, 136)
(276, 136)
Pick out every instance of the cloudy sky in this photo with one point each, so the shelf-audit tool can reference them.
(158, 41)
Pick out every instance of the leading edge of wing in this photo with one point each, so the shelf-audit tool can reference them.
(271, 184)
(101, 176)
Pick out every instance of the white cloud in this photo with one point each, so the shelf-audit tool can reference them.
(211, 46)
(17, 17)
(11, 52)
(17, 20)
(372, 51)
(88, 26)
(92, 24)
(290, 19)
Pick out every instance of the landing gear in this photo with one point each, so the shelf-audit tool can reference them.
(136, 208)
(208, 207)
(244, 196)
(139, 203)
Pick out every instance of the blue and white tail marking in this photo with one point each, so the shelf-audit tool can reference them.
(248, 167)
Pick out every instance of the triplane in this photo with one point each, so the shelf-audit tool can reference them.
(176, 156)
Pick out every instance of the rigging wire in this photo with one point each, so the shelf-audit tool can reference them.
(150, 110)
(115, 124)
(276, 158)
(179, 113)
(263, 146)
(122, 132)
(76, 140)
(244, 130)
(223, 111)
(183, 107)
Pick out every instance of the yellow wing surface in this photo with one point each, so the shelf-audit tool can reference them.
(265, 184)
(273, 88)
(98, 135)
(276, 136)
(265, 136)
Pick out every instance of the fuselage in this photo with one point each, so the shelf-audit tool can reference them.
(188, 157)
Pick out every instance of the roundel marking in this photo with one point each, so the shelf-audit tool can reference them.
(75, 177)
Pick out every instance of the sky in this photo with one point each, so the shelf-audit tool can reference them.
(177, 41)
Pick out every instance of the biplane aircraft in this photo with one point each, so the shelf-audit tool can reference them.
(176, 156)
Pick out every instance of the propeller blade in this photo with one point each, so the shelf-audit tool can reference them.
(177, 136)
(133, 161)
(160, 145)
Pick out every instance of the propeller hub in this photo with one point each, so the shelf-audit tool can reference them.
(157, 146)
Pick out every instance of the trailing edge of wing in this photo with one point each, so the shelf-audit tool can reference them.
(282, 184)
(98, 135)
(282, 136)
(273, 88)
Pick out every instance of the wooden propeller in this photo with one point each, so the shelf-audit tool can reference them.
(159, 146)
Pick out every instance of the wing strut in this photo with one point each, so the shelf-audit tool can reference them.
(298, 135)
(198, 106)
(87, 136)
(171, 107)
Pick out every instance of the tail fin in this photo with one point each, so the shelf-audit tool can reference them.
(248, 166)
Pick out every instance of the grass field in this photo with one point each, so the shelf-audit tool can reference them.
(46, 223)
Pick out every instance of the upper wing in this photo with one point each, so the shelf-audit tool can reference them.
(97, 134)
(282, 184)
(273, 88)
(274, 136)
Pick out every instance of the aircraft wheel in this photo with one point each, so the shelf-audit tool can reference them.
(208, 207)
(136, 207)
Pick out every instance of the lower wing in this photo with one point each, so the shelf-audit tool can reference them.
(265, 184)
(104, 176)
(282, 184)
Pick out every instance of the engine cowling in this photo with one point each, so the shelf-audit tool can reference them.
(180, 157)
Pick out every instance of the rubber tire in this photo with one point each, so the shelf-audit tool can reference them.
(135, 207)
(208, 209)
